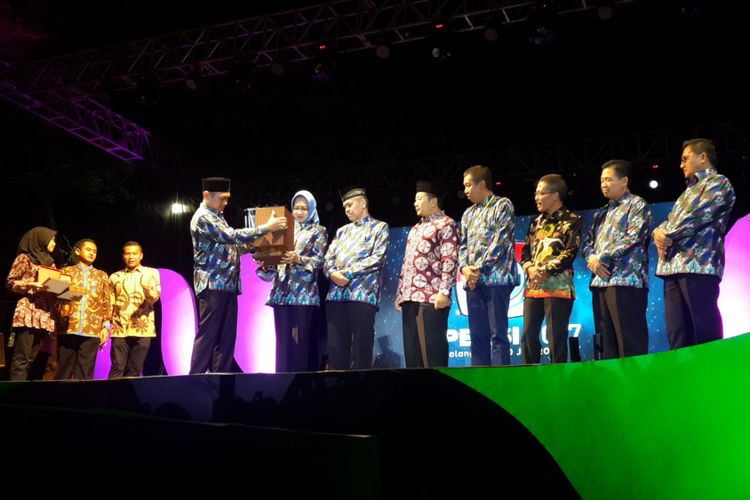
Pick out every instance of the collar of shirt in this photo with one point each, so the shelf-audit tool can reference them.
(619, 201)
(137, 269)
(217, 212)
(700, 175)
(363, 220)
(556, 215)
(434, 217)
(486, 201)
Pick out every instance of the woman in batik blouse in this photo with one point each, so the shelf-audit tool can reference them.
(294, 295)
(36, 312)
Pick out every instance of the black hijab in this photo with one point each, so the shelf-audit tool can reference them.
(34, 244)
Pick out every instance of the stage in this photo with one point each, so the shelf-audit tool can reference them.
(671, 424)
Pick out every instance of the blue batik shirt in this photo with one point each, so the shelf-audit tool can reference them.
(297, 284)
(619, 236)
(358, 252)
(697, 225)
(216, 252)
(487, 241)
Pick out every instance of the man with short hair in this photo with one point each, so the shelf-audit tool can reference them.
(616, 251)
(85, 322)
(353, 263)
(427, 276)
(135, 290)
(486, 257)
(691, 248)
(547, 259)
(216, 276)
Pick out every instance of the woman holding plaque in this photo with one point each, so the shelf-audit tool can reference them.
(36, 311)
(295, 285)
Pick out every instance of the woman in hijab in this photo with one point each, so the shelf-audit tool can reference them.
(294, 294)
(35, 313)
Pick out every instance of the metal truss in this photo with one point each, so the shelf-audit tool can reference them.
(63, 90)
(289, 36)
(79, 115)
(526, 163)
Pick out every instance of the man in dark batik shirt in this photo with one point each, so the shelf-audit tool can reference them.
(547, 259)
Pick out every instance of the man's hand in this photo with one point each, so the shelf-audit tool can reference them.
(291, 258)
(442, 301)
(103, 336)
(597, 267)
(537, 277)
(471, 276)
(275, 223)
(338, 278)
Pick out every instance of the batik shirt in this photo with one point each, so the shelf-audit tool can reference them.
(697, 225)
(37, 308)
(133, 311)
(551, 245)
(487, 241)
(430, 260)
(88, 316)
(216, 251)
(357, 251)
(619, 236)
(297, 284)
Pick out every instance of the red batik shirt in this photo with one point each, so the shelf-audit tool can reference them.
(430, 260)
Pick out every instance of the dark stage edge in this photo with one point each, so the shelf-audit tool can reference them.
(361, 434)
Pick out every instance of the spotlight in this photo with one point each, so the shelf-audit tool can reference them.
(653, 184)
(179, 208)
(382, 51)
(605, 10)
(441, 42)
(325, 64)
(192, 81)
(542, 21)
(278, 69)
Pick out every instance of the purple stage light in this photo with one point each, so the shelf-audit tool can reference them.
(256, 338)
(735, 285)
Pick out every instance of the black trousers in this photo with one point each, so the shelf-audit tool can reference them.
(488, 324)
(425, 340)
(557, 313)
(213, 348)
(76, 357)
(128, 355)
(25, 350)
(292, 337)
(691, 309)
(351, 333)
(620, 317)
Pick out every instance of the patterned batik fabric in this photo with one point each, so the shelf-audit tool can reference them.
(133, 310)
(297, 284)
(358, 251)
(36, 309)
(430, 261)
(93, 312)
(216, 251)
(619, 236)
(697, 225)
(551, 245)
(487, 241)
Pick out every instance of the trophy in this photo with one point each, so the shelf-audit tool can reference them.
(271, 247)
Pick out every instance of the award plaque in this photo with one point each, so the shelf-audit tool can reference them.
(271, 247)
